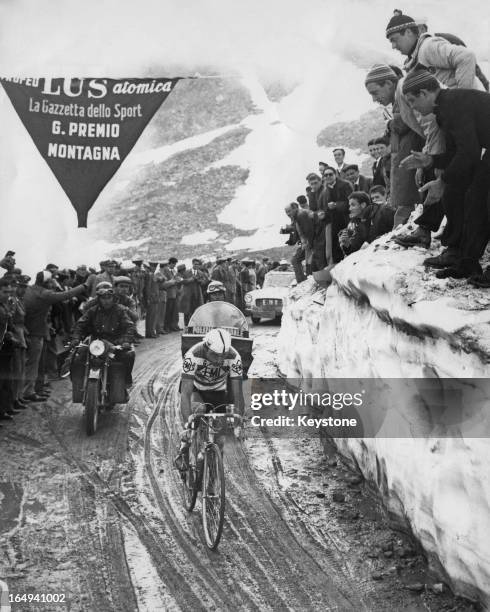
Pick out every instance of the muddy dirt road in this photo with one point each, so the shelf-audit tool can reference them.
(99, 521)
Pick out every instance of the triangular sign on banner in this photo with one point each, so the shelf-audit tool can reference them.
(85, 128)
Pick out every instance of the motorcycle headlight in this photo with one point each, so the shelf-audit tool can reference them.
(248, 298)
(97, 348)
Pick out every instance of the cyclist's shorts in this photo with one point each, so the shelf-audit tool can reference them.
(216, 399)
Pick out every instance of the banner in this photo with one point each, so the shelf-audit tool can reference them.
(85, 128)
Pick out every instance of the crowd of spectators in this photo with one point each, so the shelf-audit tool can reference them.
(39, 319)
(434, 152)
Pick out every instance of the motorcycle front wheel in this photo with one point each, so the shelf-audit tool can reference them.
(92, 407)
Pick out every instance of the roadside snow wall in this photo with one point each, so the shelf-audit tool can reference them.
(386, 317)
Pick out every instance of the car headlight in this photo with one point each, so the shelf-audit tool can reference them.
(97, 348)
(248, 298)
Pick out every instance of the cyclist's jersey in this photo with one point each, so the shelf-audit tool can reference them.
(208, 376)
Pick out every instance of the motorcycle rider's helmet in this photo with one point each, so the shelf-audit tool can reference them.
(218, 341)
(104, 288)
(215, 287)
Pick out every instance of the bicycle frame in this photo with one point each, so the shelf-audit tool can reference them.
(205, 471)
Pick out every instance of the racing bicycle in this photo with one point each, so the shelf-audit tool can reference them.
(204, 471)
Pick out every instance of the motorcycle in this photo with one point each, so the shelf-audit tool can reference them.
(98, 381)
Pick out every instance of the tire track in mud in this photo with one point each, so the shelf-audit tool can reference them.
(258, 547)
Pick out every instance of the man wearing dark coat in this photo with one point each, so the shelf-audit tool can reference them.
(151, 296)
(192, 295)
(38, 302)
(367, 222)
(7, 346)
(111, 322)
(381, 165)
(358, 181)
(219, 271)
(303, 221)
(315, 188)
(463, 115)
(335, 196)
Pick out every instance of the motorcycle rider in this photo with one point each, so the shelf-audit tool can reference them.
(111, 322)
(206, 369)
(216, 291)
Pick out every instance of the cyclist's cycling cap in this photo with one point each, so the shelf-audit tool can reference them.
(215, 287)
(218, 341)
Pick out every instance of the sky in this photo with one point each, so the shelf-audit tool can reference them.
(321, 46)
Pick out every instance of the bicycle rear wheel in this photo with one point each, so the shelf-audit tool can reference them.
(213, 496)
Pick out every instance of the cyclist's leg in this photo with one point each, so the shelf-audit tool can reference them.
(187, 436)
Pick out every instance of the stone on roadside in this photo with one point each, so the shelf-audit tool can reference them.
(415, 586)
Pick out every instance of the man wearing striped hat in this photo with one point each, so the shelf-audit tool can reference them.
(452, 65)
(406, 135)
(463, 115)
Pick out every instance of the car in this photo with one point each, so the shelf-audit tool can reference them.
(266, 303)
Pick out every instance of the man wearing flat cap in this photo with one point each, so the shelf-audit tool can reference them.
(106, 274)
(219, 270)
(138, 278)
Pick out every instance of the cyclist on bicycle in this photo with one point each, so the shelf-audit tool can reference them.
(206, 369)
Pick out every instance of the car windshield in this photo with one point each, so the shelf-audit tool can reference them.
(278, 279)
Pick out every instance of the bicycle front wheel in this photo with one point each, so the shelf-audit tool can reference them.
(213, 496)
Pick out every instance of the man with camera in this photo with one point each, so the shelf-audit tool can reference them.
(301, 231)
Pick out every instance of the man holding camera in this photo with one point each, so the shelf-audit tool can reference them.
(301, 231)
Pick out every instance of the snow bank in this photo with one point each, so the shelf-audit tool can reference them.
(388, 319)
